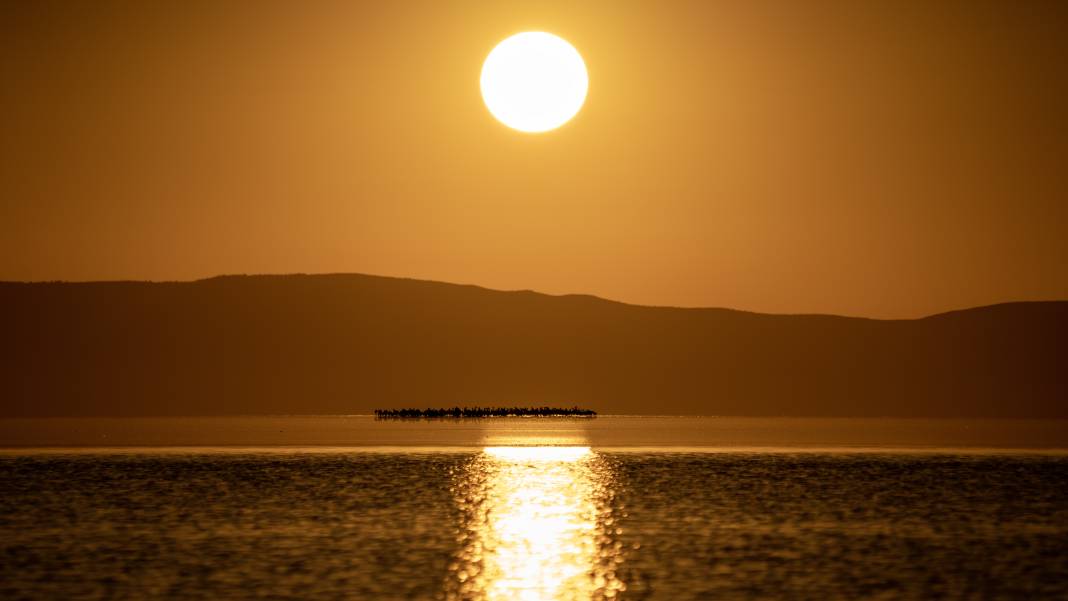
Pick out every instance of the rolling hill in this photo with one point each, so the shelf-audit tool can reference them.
(325, 344)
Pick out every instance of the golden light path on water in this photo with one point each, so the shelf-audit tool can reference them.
(539, 526)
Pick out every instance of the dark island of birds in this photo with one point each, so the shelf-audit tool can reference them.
(480, 412)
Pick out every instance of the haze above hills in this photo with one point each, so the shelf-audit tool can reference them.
(348, 343)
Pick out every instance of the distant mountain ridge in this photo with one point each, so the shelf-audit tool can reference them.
(347, 343)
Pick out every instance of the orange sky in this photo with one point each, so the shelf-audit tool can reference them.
(881, 158)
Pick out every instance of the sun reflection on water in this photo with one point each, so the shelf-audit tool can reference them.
(538, 526)
(518, 454)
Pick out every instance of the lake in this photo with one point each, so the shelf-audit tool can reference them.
(604, 508)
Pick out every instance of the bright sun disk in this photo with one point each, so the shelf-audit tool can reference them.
(534, 81)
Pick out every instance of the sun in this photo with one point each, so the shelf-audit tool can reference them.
(534, 81)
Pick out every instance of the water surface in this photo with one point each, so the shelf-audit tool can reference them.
(631, 508)
(509, 523)
(599, 432)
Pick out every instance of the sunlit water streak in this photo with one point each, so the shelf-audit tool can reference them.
(539, 526)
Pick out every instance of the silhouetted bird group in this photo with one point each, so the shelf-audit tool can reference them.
(487, 412)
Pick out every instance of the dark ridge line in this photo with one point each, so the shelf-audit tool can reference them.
(564, 296)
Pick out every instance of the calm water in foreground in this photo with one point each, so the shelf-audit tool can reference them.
(547, 511)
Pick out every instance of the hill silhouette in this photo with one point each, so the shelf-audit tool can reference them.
(325, 344)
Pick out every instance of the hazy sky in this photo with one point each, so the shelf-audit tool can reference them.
(886, 158)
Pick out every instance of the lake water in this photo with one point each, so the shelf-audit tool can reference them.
(632, 508)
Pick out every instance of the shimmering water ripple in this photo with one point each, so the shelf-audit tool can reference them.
(529, 523)
(539, 523)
